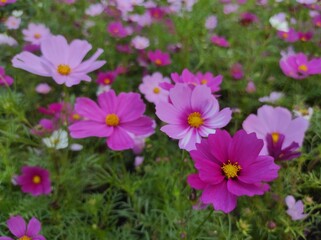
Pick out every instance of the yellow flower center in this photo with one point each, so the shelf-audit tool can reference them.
(36, 179)
(24, 237)
(76, 116)
(231, 169)
(64, 69)
(195, 119)
(303, 68)
(158, 62)
(37, 36)
(156, 90)
(304, 112)
(112, 120)
(204, 81)
(304, 39)
(275, 137)
(106, 80)
(3, 1)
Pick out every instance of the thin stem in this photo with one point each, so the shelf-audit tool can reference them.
(198, 229)
(229, 226)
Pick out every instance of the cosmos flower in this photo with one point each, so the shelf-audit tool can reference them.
(272, 98)
(34, 180)
(211, 22)
(230, 167)
(279, 22)
(5, 80)
(58, 140)
(43, 88)
(6, 2)
(140, 42)
(12, 23)
(94, 9)
(22, 231)
(237, 71)
(289, 36)
(35, 33)
(118, 118)
(159, 58)
(220, 41)
(116, 29)
(191, 114)
(295, 208)
(250, 87)
(277, 129)
(7, 40)
(61, 61)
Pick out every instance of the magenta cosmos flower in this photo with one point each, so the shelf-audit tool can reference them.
(298, 66)
(116, 29)
(35, 33)
(191, 115)
(22, 231)
(5, 2)
(34, 180)
(119, 118)
(281, 134)
(220, 41)
(5, 80)
(61, 61)
(230, 167)
(159, 58)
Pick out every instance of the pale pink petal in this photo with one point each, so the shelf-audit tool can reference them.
(55, 49)
(77, 51)
(130, 106)
(168, 113)
(180, 96)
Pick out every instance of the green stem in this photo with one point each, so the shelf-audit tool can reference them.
(229, 227)
(198, 229)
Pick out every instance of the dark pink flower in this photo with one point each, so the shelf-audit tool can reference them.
(34, 180)
(106, 78)
(159, 58)
(5, 80)
(118, 118)
(248, 18)
(157, 13)
(230, 167)
(116, 29)
(290, 36)
(22, 231)
(305, 36)
(317, 20)
(6, 2)
(237, 71)
(220, 41)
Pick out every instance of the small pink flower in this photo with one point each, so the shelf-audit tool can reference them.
(116, 29)
(12, 22)
(106, 78)
(34, 180)
(237, 71)
(250, 87)
(5, 80)
(295, 208)
(211, 22)
(140, 42)
(156, 12)
(43, 88)
(248, 18)
(220, 41)
(159, 58)
(61, 61)
(317, 21)
(289, 36)
(6, 2)
(118, 118)
(305, 36)
(191, 114)
(22, 231)
(35, 33)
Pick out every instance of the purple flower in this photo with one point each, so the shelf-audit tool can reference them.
(34, 180)
(5, 80)
(22, 231)
(289, 36)
(295, 208)
(220, 41)
(191, 114)
(237, 71)
(159, 58)
(116, 29)
(230, 167)
(276, 123)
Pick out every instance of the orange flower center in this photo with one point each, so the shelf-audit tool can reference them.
(195, 120)
(24, 237)
(37, 36)
(231, 169)
(156, 90)
(64, 69)
(76, 116)
(107, 81)
(158, 62)
(285, 35)
(319, 24)
(112, 120)
(3, 1)
(303, 68)
(275, 137)
(204, 81)
(36, 179)
(304, 39)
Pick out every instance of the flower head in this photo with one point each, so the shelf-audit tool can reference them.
(58, 140)
(295, 208)
(22, 231)
(191, 114)
(118, 118)
(230, 167)
(116, 29)
(34, 180)
(60, 60)
(35, 33)
(5, 80)
(159, 58)
(220, 41)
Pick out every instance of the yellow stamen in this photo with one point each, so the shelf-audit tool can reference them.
(36, 179)
(158, 62)
(304, 39)
(275, 137)
(76, 116)
(24, 237)
(107, 81)
(231, 169)
(204, 81)
(112, 120)
(303, 68)
(195, 119)
(319, 24)
(64, 69)
(37, 36)
(156, 90)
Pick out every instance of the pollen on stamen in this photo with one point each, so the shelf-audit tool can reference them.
(195, 119)
(231, 170)
(36, 179)
(112, 120)
(158, 62)
(64, 69)
(303, 68)
(156, 90)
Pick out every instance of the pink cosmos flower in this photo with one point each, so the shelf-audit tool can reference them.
(106, 78)
(34, 180)
(43, 88)
(12, 22)
(220, 41)
(277, 129)
(22, 231)
(305, 36)
(119, 118)
(211, 22)
(237, 71)
(230, 167)
(289, 36)
(116, 29)
(248, 18)
(35, 33)
(159, 58)
(250, 87)
(295, 208)
(230, 8)
(317, 20)
(157, 12)
(6, 2)
(151, 89)
(45, 126)
(94, 9)
(191, 114)
(140, 42)
(298, 66)
(5, 80)
(61, 61)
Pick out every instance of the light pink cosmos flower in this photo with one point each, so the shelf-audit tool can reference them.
(119, 118)
(35, 33)
(12, 22)
(22, 231)
(61, 61)
(211, 22)
(151, 89)
(229, 168)
(140, 42)
(278, 124)
(43, 88)
(191, 115)
(250, 87)
(295, 208)
(94, 9)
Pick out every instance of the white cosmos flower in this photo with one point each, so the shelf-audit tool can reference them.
(58, 140)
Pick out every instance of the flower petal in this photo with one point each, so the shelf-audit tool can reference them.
(84, 129)
(33, 228)
(120, 140)
(17, 226)
(195, 182)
